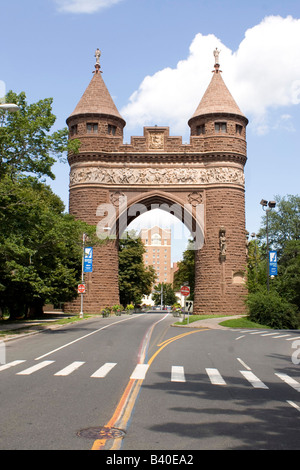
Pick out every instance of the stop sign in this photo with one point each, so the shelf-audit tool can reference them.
(81, 288)
(185, 290)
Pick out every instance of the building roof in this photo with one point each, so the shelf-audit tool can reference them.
(217, 98)
(96, 99)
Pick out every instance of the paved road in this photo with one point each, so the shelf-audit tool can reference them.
(135, 382)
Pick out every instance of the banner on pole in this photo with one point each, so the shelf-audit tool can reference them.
(273, 263)
(88, 259)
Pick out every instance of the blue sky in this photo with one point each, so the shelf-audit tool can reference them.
(157, 61)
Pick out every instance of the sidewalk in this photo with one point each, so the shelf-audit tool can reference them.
(29, 327)
(212, 323)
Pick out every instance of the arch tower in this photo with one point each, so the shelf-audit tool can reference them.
(201, 182)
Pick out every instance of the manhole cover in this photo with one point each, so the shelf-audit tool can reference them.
(101, 433)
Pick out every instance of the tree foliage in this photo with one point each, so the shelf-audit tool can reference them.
(281, 305)
(135, 280)
(40, 245)
(169, 296)
(26, 144)
(186, 271)
(40, 248)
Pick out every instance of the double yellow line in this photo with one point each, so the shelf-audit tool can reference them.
(169, 341)
(126, 404)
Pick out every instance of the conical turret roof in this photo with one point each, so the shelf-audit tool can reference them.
(217, 98)
(96, 99)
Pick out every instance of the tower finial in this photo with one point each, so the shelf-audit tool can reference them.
(217, 62)
(97, 55)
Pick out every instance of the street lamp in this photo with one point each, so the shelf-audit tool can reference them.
(267, 206)
(10, 107)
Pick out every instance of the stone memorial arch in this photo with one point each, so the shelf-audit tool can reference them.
(201, 183)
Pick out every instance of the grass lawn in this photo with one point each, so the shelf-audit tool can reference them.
(232, 323)
(242, 323)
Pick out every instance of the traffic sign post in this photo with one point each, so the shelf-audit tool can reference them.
(185, 291)
(87, 263)
(81, 288)
(189, 307)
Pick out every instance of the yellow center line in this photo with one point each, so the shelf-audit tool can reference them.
(169, 341)
(126, 404)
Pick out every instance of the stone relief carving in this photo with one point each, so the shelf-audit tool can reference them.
(156, 140)
(117, 198)
(195, 198)
(222, 241)
(136, 176)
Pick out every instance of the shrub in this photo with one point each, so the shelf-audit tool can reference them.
(117, 309)
(129, 308)
(272, 310)
(106, 312)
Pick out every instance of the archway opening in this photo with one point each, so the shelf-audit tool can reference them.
(171, 224)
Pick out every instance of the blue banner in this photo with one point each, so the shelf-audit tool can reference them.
(88, 259)
(273, 263)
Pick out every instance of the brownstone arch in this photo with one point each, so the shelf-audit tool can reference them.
(201, 182)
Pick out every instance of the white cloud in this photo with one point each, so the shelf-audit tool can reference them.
(263, 74)
(84, 6)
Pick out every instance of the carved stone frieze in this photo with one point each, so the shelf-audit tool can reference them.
(154, 176)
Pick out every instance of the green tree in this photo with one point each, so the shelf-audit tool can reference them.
(186, 271)
(257, 267)
(280, 306)
(135, 280)
(288, 279)
(169, 296)
(283, 222)
(26, 144)
(40, 248)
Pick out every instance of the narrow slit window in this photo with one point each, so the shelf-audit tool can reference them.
(200, 130)
(92, 128)
(73, 129)
(111, 129)
(221, 127)
(238, 129)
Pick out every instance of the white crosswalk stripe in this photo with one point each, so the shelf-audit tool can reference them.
(11, 364)
(177, 374)
(215, 376)
(104, 370)
(139, 372)
(289, 380)
(69, 369)
(255, 381)
(33, 369)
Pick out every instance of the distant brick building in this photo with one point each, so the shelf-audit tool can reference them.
(201, 182)
(158, 246)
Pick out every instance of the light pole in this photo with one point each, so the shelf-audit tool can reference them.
(268, 205)
(82, 273)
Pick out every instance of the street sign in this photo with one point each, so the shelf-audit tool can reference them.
(273, 263)
(88, 260)
(189, 306)
(185, 290)
(81, 288)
